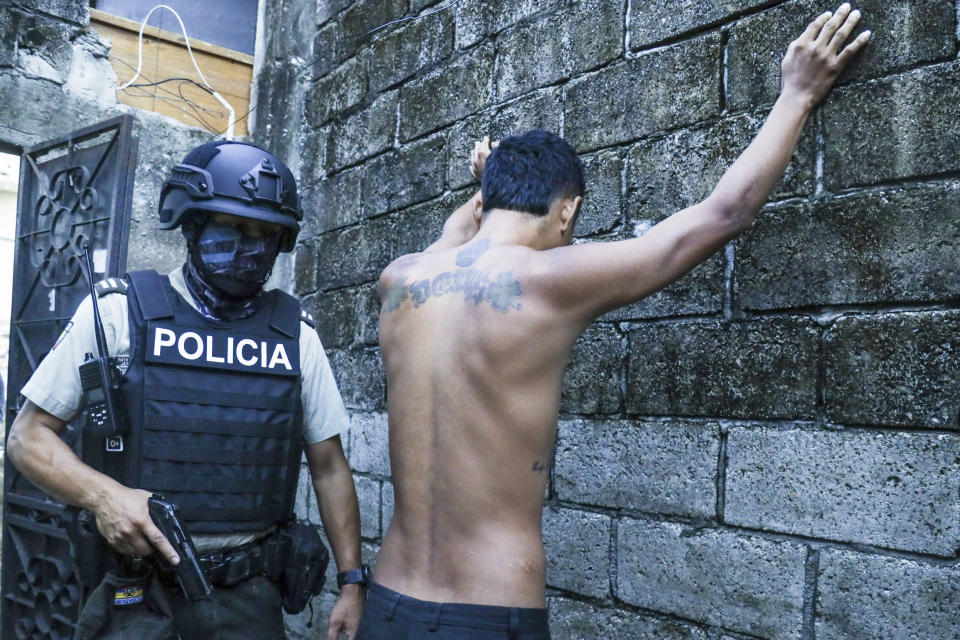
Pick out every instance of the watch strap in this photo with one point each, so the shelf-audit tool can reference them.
(358, 575)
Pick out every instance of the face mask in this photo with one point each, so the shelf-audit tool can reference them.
(235, 263)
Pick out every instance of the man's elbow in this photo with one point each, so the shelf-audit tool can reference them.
(15, 447)
(735, 215)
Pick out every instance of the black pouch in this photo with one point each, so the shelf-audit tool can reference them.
(305, 560)
(123, 607)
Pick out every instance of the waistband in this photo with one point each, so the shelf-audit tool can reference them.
(475, 616)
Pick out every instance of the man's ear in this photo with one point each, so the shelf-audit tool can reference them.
(478, 208)
(569, 213)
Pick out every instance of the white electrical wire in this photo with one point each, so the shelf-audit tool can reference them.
(226, 105)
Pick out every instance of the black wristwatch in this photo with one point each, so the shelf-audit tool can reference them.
(361, 575)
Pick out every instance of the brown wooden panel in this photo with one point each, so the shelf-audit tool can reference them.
(164, 56)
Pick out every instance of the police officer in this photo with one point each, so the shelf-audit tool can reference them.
(225, 385)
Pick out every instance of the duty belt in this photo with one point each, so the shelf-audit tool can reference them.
(231, 567)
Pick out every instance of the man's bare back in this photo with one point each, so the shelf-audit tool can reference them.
(475, 333)
(474, 357)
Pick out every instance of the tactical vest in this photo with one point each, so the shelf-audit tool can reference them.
(214, 408)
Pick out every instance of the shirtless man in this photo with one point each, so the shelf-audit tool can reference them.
(476, 332)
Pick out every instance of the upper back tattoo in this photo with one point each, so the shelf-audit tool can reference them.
(466, 257)
(501, 291)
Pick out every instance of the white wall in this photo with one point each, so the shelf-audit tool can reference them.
(9, 171)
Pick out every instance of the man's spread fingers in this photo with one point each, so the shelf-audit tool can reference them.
(830, 28)
(851, 49)
(844, 31)
(813, 29)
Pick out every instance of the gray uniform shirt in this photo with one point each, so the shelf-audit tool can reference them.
(55, 385)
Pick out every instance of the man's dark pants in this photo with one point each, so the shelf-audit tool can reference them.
(389, 615)
(250, 609)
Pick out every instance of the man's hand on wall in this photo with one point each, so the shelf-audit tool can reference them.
(478, 159)
(816, 58)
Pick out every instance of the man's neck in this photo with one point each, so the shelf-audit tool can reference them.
(506, 227)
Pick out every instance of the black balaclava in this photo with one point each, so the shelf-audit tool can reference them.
(226, 269)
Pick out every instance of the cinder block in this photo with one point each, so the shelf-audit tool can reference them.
(651, 21)
(447, 93)
(540, 110)
(741, 583)
(757, 369)
(335, 314)
(883, 598)
(338, 201)
(414, 174)
(360, 378)
(9, 23)
(363, 134)
(329, 50)
(419, 226)
(577, 544)
(305, 268)
(592, 380)
(313, 151)
(280, 112)
(387, 505)
(368, 315)
(476, 19)
(663, 89)
(670, 173)
(904, 34)
(575, 620)
(603, 203)
(897, 127)
(336, 92)
(356, 254)
(896, 245)
(896, 369)
(76, 12)
(364, 15)
(404, 52)
(327, 9)
(656, 467)
(368, 497)
(581, 35)
(892, 490)
(369, 451)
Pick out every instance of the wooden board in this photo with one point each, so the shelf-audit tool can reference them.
(165, 56)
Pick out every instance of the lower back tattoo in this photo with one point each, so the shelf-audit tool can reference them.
(501, 291)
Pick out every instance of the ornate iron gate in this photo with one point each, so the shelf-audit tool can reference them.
(74, 189)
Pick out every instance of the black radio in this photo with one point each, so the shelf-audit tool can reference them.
(100, 381)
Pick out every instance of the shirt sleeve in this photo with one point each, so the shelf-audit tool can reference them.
(55, 384)
(324, 415)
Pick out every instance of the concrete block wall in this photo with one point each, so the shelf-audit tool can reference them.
(768, 448)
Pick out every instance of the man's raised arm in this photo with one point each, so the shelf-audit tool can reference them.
(590, 279)
(463, 223)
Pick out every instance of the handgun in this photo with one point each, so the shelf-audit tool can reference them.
(193, 581)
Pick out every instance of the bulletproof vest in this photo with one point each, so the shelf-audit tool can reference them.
(214, 408)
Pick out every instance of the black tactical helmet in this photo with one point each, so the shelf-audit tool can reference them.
(236, 178)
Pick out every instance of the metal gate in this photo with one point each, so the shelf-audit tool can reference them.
(74, 189)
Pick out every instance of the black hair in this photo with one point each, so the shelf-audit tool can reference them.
(528, 172)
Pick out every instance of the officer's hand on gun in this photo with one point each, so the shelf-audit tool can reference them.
(124, 521)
